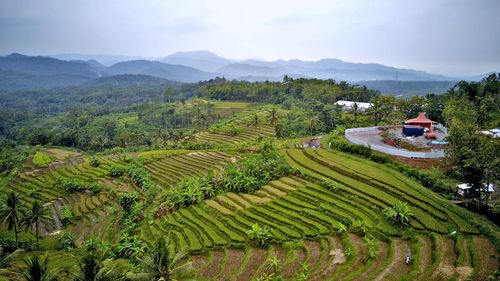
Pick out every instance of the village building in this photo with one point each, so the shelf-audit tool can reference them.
(464, 189)
(348, 105)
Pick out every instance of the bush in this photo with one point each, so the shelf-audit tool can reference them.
(73, 185)
(260, 235)
(42, 160)
(95, 162)
(330, 184)
(67, 215)
(127, 200)
(67, 240)
(190, 191)
(116, 171)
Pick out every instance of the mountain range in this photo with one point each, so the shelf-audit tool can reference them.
(19, 71)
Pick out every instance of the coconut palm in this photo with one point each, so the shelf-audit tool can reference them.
(355, 111)
(12, 213)
(255, 120)
(158, 264)
(94, 264)
(314, 124)
(5, 261)
(273, 116)
(37, 269)
(399, 214)
(35, 216)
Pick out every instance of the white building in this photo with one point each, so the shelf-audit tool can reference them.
(463, 189)
(492, 133)
(348, 105)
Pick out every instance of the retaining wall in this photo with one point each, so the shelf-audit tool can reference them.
(388, 150)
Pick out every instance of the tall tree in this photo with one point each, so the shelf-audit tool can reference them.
(34, 217)
(355, 111)
(12, 213)
(37, 269)
(273, 116)
(159, 264)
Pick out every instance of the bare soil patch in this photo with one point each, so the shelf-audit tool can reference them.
(397, 268)
(257, 257)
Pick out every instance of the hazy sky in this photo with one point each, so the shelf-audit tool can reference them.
(453, 37)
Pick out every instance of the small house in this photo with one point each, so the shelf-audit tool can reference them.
(313, 143)
(349, 105)
(464, 189)
(494, 133)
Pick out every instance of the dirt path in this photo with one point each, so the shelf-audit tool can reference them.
(397, 268)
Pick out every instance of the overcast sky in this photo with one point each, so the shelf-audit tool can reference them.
(452, 37)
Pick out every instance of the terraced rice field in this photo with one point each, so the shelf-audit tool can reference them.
(167, 171)
(89, 209)
(301, 209)
(304, 217)
(248, 131)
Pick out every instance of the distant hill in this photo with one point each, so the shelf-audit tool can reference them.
(43, 66)
(409, 88)
(21, 72)
(106, 60)
(28, 72)
(202, 60)
(128, 80)
(154, 68)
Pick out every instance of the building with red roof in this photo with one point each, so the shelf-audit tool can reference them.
(421, 121)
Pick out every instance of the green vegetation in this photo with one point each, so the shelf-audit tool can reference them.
(41, 159)
(206, 189)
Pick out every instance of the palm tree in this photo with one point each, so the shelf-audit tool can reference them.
(255, 120)
(12, 213)
(36, 215)
(355, 111)
(314, 124)
(399, 214)
(8, 259)
(37, 269)
(273, 116)
(159, 265)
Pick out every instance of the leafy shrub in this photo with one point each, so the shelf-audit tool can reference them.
(399, 214)
(41, 159)
(95, 162)
(127, 200)
(72, 185)
(330, 184)
(191, 190)
(260, 235)
(116, 171)
(67, 215)
(67, 240)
